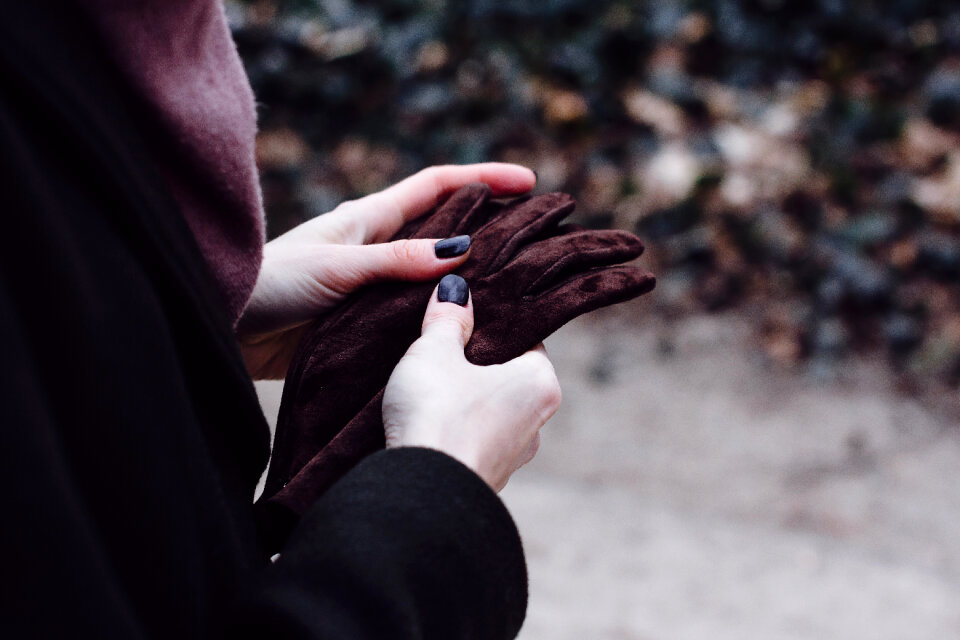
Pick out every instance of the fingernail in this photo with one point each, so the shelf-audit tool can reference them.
(536, 176)
(452, 247)
(453, 289)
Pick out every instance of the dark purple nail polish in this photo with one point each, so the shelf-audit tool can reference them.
(452, 247)
(453, 289)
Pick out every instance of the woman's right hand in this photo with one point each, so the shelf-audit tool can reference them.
(489, 417)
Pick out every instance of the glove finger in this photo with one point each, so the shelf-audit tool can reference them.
(509, 329)
(556, 230)
(444, 219)
(592, 290)
(518, 224)
(546, 262)
(482, 215)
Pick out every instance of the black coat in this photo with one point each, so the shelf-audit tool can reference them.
(130, 434)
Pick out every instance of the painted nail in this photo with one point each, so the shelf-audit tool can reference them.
(453, 289)
(452, 247)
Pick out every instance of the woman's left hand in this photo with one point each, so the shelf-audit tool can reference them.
(312, 268)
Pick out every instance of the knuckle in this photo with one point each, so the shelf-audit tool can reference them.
(346, 208)
(435, 176)
(552, 396)
(406, 250)
(350, 226)
(458, 324)
(546, 388)
(452, 323)
(435, 171)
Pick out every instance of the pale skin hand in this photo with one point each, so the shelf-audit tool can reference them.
(488, 418)
(311, 269)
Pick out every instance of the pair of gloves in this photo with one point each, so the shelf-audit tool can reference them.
(528, 275)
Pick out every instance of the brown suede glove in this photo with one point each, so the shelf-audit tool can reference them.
(528, 276)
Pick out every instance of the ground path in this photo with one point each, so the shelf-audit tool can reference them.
(687, 491)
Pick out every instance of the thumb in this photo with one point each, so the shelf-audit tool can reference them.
(449, 315)
(419, 259)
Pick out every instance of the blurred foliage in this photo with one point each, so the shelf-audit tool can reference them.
(799, 160)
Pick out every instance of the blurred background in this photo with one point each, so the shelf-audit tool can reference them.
(766, 444)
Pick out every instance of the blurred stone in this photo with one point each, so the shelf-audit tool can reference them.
(601, 190)
(366, 168)
(830, 293)
(664, 223)
(427, 99)
(573, 61)
(869, 230)
(823, 367)
(669, 175)
(893, 190)
(940, 254)
(924, 33)
(561, 106)
(739, 190)
(941, 194)
(937, 356)
(236, 14)
(781, 240)
(903, 254)
(675, 290)
(783, 347)
(780, 119)
(342, 42)
(280, 149)
(262, 12)
(922, 144)
(603, 370)
(827, 345)
(320, 198)
(804, 209)
(432, 57)
(470, 76)
(868, 283)
(740, 145)
(694, 27)
(718, 291)
(691, 247)
(647, 108)
(942, 94)
(902, 332)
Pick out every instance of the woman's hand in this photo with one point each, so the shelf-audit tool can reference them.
(312, 268)
(486, 417)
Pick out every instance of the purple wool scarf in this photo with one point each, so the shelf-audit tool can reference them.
(180, 59)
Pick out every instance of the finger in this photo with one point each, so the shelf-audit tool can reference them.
(449, 315)
(559, 257)
(408, 260)
(391, 208)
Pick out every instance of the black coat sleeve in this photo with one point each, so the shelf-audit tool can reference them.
(411, 544)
